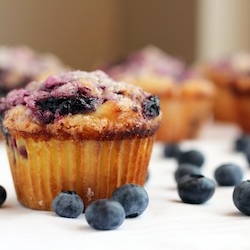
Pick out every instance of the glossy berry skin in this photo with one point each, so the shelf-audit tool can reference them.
(133, 198)
(54, 106)
(192, 157)
(68, 204)
(241, 196)
(195, 189)
(105, 214)
(3, 195)
(171, 150)
(242, 143)
(228, 174)
(185, 169)
(66, 105)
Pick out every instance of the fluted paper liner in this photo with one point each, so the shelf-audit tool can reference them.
(94, 169)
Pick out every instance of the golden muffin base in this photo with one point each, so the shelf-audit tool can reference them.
(226, 105)
(232, 99)
(94, 169)
(244, 120)
(183, 118)
(242, 93)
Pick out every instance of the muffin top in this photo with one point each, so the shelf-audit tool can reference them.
(232, 71)
(79, 104)
(159, 73)
(20, 64)
(237, 63)
(147, 61)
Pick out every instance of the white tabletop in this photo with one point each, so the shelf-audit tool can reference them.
(167, 223)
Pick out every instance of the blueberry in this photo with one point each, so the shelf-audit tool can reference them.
(133, 198)
(151, 106)
(105, 214)
(3, 195)
(195, 189)
(66, 105)
(242, 142)
(171, 150)
(241, 196)
(68, 204)
(185, 169)
(192, 157)
(228, 174)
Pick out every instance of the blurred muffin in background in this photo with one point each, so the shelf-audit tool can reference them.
(231, 77)
(20, 65)
(186, 97)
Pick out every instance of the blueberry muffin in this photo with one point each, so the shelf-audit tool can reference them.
(186, 97)
(20, 65)
(231, 78)
(79, 131)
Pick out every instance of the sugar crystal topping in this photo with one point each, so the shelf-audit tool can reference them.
(78, 92)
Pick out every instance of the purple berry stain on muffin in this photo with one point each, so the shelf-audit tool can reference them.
(23, 152)
(66, 94)
(20, 149)
(90, 96)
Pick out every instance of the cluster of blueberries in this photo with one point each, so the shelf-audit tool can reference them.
(127, 201)
(195, 188)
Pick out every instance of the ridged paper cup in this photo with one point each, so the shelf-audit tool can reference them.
(94, 169)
